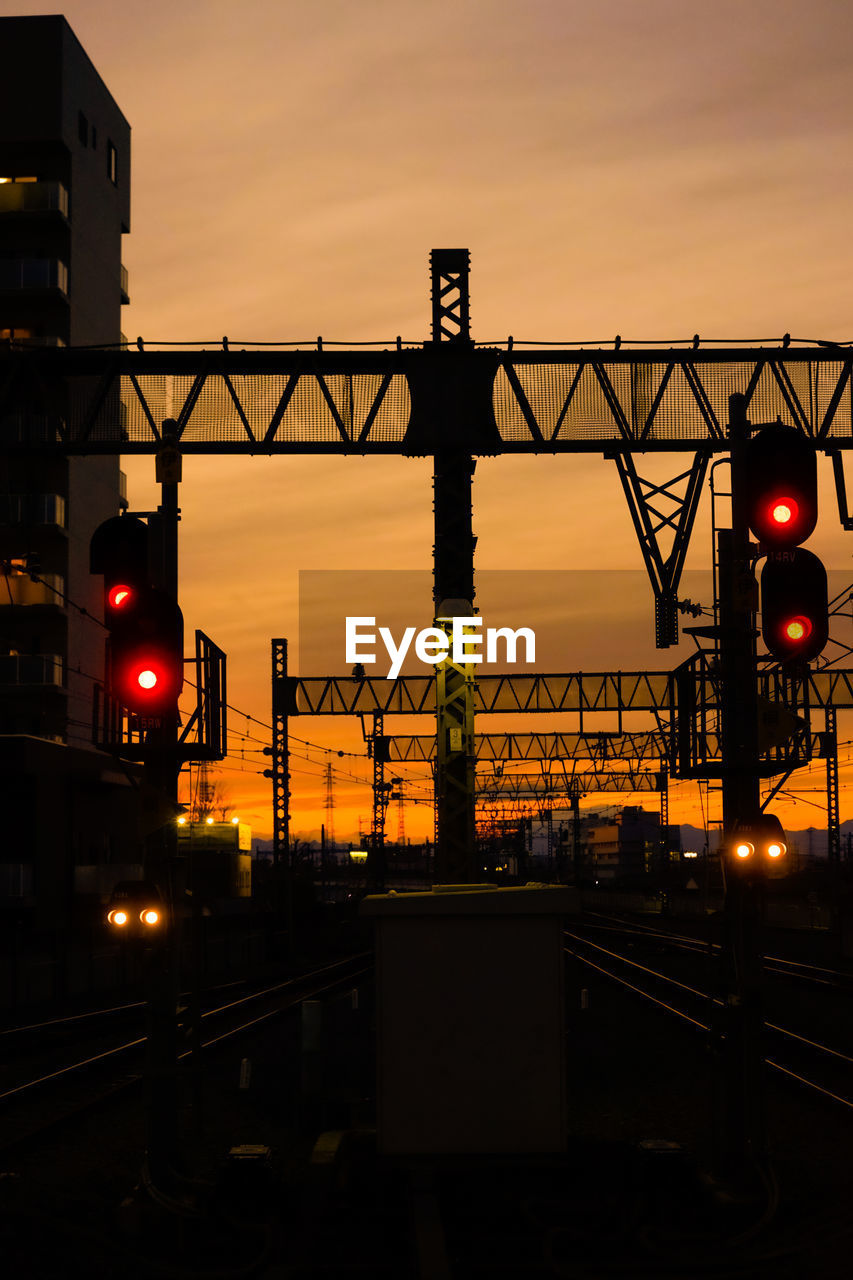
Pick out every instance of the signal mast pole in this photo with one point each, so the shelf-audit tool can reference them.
(163, 865)
(739, 1124)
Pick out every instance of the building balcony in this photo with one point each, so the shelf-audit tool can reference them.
(32, 509)
(16, 882)
(17, 588)
(125, 284)
(33, 275)
(30, 428)
(30, 669)
(21, 339)
(32, 197)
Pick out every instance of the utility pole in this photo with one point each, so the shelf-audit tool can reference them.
(329, 807)
(378, 744)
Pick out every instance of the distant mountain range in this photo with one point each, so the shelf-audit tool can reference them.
(811, 840)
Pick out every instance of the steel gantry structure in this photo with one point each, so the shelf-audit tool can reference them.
(454, 400)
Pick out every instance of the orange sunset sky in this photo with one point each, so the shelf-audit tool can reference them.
(643, 167)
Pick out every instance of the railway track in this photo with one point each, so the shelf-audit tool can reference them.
(807, 1037)
(820, 975)
(66, 1066)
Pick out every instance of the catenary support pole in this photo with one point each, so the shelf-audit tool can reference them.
(453, 594)
(280, 774)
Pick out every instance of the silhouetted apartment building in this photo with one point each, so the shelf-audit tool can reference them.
(64, 207)
(624, 846)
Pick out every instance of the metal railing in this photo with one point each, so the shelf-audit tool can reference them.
(33, 197)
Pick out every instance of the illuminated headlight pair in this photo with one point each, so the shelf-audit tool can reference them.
(120, 917)
(762, 836)
(745, 849)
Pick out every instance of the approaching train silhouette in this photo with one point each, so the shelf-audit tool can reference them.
(136, 908)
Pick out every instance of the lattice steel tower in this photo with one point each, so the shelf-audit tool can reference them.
(329, 808)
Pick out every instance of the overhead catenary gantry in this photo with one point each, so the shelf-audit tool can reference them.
(600, 747)
(557, 785)
(455, 401)
(582, 693)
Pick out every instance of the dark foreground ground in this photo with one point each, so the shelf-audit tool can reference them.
(629, 1198)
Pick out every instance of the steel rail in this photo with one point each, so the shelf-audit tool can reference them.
(117, 1050)
(771, 1062)
(687, 943)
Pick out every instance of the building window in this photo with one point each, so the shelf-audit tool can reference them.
(83, 128)
(112, 164)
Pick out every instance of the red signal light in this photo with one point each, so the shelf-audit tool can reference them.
(798, 629)
(120, 596)
(148, 679)
(146, 658)
(778, 486)
(794, 605)
(784, 512)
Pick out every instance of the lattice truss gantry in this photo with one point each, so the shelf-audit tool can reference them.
(415, 399)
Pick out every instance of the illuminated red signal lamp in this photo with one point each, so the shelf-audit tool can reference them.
(146, 654)
(121, 596)
(798, 629)
(780, 485)
(794, 605)
(784, 512)
(147, 679)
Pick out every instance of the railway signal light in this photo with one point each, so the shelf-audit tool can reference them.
(780, 474)
(146, 665)
(780, 488)
(146, 652)
(794, 605)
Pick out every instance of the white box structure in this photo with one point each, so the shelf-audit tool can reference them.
(470, 1019)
